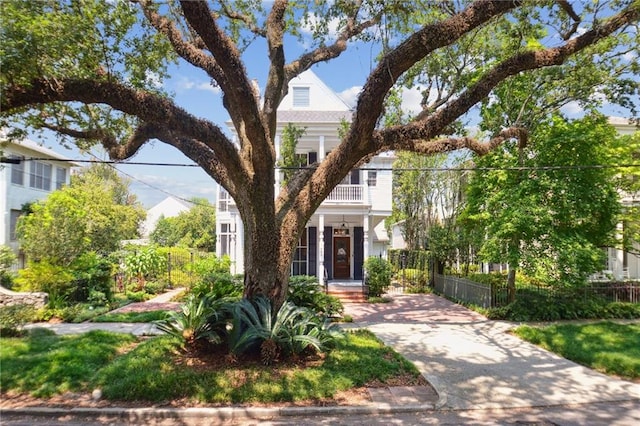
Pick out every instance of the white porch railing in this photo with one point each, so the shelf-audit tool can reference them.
(346, 194)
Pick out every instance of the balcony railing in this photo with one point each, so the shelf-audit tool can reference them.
(353, 194)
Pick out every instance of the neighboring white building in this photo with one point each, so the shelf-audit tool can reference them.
(169, 207)
(346, 228)
(622, 264)
(37, 172)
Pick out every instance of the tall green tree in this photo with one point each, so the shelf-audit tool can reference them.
(547, 208)
(96, 81)
(194, 228)
(85, 216)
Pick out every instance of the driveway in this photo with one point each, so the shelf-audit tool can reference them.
(474, 363)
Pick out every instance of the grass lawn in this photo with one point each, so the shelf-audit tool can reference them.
(148, 316)
(607, 347)
(156, 370)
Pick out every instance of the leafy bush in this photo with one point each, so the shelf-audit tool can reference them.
(137, 296)
(211, 264)
(13, 318)
(534, 306)
(43, 276)
(305, 291)
(155, 287)
(144, 264)
(378, 275)
(200, 320)
(92, 273)
(217, 285)
(7, 259)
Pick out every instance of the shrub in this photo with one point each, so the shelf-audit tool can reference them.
(92, 273)
(43, 276)
(218, 285)
(378, 275)
(13, 318)
(7, 259)
(144, 264)
(304, 291)
(211, 264)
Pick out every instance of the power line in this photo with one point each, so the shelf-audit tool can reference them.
(397, 169)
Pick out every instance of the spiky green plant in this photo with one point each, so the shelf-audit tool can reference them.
(199, 320)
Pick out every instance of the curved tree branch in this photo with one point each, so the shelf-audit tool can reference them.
(238, 90)
(479, 148)
(429, 127)
(188, 51)
(148, 107)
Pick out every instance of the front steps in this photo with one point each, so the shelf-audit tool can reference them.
(348, 293)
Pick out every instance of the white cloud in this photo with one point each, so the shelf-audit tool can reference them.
(185, 84)
(350, 95)
(572, 109)
(153, 79)
(411, 99)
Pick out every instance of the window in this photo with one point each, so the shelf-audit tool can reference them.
(299, 266)
(40, 176)
(61, 177)
(223, 200)
(300, 96)
(225, 239)
(13, 222)
(17, 171)
(372, 178)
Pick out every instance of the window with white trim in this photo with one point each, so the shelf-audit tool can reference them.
(40, 175)
(61, 177)
(17, 171)
(299, 265)
(223, 200)
(372, 178)
(14, 215)
(225, 239)
(301, 97)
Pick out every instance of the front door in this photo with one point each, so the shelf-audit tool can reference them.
(341, 257)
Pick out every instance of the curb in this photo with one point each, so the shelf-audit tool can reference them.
(219, 414)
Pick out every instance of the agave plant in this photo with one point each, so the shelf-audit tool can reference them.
(199, 320)
(291, 330)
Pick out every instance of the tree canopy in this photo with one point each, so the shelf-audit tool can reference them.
(93, 214)
(548, 208)
(194, 228)
(97, 81)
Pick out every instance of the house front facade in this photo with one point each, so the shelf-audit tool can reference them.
(348, 227)
(30, 173)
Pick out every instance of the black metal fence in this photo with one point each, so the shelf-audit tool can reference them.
(494, 295)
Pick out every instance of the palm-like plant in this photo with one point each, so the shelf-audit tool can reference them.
(290, 330)
(200, 319)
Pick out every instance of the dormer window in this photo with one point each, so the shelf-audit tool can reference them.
(300, 96)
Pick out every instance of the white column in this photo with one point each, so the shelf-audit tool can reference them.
(277, 171)
(320, 273)
(321, 149)
(237, 243)
(365, 240)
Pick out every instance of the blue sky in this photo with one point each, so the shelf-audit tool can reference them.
(193, 91)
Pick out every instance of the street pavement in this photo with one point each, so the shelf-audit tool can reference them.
(482, 375)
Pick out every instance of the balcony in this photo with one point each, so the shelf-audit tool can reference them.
(346, 194)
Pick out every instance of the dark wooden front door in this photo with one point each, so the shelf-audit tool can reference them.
(341, 257)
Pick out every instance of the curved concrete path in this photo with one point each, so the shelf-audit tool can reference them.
(474, 363)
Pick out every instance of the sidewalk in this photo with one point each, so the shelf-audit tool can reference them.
(472, 363)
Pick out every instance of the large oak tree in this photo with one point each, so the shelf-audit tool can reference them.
(89, 70)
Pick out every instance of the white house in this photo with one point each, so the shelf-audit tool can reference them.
(622, 264)
(30, 173)
(169, 207)
(347, 227)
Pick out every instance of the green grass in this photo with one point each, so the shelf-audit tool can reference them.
(43, 364)
(132, 317)
(150, 373)
(607, 347)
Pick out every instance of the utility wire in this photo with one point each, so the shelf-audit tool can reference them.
(398, 169)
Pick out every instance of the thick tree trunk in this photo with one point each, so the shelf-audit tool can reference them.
(511, 285)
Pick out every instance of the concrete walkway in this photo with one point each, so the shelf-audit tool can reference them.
(473, 363)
